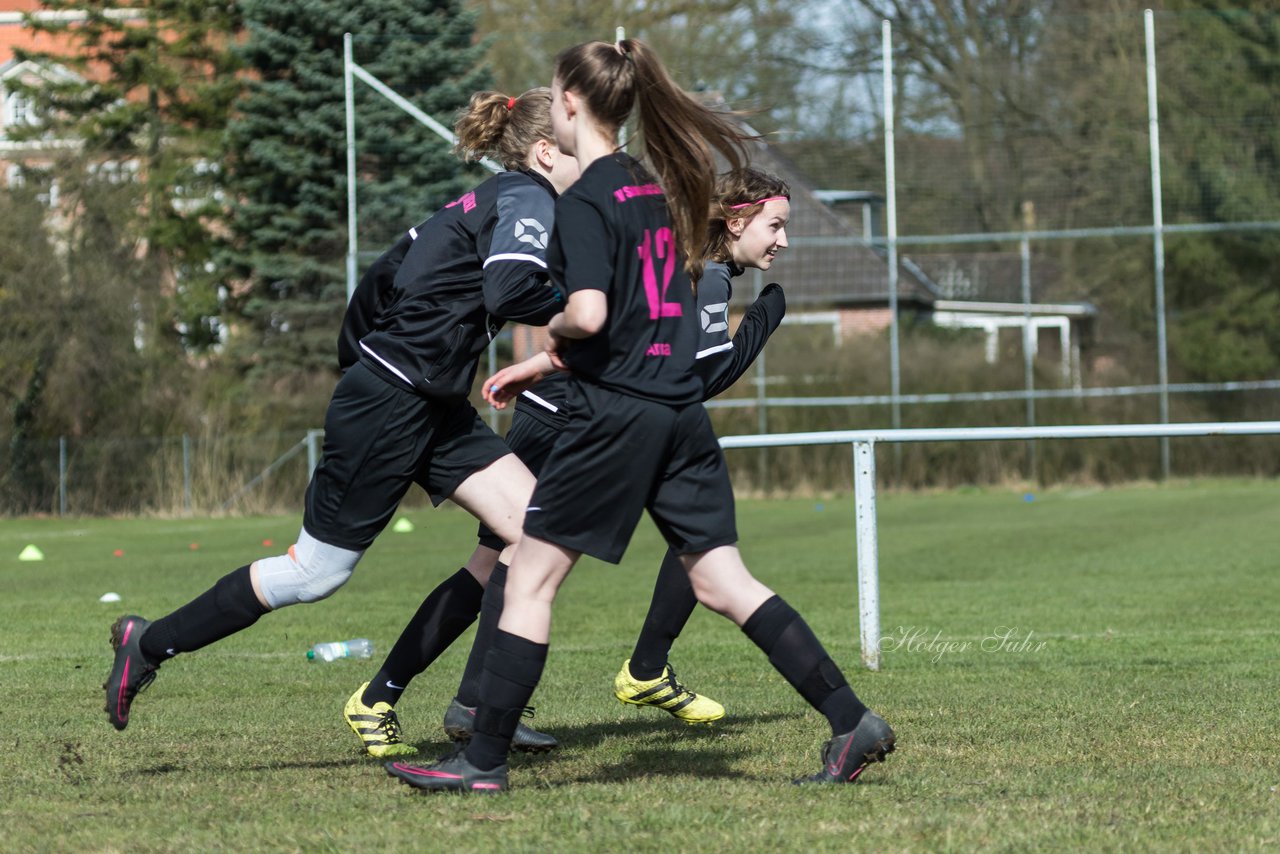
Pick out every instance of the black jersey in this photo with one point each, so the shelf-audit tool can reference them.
(719, 361)
(425, 310)
(612, 234)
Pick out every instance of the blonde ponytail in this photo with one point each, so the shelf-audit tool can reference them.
(503, 128)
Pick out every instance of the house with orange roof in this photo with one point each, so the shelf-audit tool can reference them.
(19, 157)
(16, 110)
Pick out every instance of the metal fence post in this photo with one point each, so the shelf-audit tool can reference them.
(492, 363)
(186, 473)
(313, 453)
(62, 475)
(864, 500)
(1029, 346)
(762, 397)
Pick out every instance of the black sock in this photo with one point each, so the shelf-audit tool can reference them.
(672, 604)
(446, 613)
(799, 656)
(490, 611)
(224, 609)
(511, 672)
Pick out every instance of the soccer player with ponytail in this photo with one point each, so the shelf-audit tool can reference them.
(748, 229)
(400, 415)
(625, 247)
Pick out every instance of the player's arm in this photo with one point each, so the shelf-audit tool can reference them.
(583, 238)
(583, 316)
(521, 292)
(761, 319)
(516, 283)
(507, 383)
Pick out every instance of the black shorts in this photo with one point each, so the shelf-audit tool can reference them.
(530, 440)
(379, 439)
(621, 455)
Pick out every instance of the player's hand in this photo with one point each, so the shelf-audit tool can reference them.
(505, 385)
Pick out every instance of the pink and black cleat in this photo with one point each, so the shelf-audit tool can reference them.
(451, 774)
(846, 756)
(131, 673)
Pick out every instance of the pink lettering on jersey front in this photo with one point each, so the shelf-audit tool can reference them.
(467, 201)
(658, 350)
(661, 246)
(630, 192)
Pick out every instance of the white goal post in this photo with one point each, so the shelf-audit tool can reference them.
(350, 73)
(864, 479)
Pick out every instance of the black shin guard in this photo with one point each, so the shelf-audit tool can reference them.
(511, 672)
(490, 611)
(446, 613)
(799, 656)
(672, 604)
(224, 609)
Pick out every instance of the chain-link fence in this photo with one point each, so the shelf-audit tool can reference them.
(1047, 272)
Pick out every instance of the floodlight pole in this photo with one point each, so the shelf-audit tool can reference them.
(348, 86)
(891, 226)
(1157, 222)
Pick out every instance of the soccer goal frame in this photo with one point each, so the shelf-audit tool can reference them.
(863, 444)
(351, 72)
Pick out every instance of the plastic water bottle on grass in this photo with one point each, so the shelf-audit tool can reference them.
(358, 648)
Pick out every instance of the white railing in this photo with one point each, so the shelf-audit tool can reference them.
(864, 479)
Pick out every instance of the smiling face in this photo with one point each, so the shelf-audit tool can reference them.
(758, 240)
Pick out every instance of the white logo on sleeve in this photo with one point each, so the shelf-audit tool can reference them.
(715, 317)
(529, 230)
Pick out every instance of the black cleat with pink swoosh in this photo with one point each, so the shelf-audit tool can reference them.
(131, 673)
(451, 774)
(845, 756)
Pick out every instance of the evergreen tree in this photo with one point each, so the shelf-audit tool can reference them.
(1220, 141)
(153, 83)
(287, 160)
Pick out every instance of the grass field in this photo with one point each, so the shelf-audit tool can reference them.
(1131, 704)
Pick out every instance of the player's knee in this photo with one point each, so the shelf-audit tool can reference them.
(311, 571)
(710, 595)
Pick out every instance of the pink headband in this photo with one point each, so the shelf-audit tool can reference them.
(759, 202)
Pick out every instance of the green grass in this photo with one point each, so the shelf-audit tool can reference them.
(1137, 712)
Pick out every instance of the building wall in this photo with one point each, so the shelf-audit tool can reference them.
(861, 321)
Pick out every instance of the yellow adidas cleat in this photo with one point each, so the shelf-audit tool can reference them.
(377, 727)
(665, 693)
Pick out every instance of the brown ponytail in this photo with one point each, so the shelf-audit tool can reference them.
(679, 136)
(740, 194)
(495, 125)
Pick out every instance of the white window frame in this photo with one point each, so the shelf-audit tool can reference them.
(18, 110)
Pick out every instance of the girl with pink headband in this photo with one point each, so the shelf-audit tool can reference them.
(637, 438)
